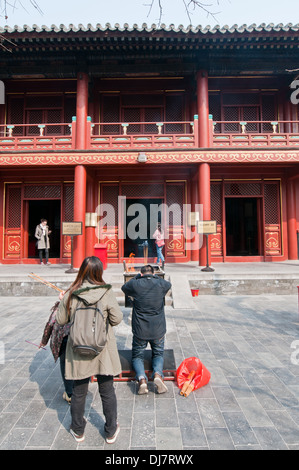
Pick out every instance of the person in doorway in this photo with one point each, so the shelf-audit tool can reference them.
(58, 342)
(42, 233)
(90, 288)
(148, 324)
(159, 240)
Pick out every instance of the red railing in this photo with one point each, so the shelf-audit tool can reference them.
(37, 136)
(147, 135)
(174, 134)
(279, 134)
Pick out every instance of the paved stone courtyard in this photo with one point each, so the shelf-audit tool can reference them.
(251, 401)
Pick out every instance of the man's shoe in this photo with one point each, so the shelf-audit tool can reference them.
(111, 440)
(158, 381)
(142, 387)
(77, 437)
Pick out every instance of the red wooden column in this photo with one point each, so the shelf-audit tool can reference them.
(79, 214)
(204, 141)
(80, 170)
(81, 110)
(205, 200)
(90, 238)
(194, 201)
(291, 214)
(203, 108)
(2, 222)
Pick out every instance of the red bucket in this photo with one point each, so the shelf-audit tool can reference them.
(194, 292)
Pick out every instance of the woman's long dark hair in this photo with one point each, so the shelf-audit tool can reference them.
(91, 270)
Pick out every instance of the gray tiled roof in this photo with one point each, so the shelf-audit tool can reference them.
(145, 28)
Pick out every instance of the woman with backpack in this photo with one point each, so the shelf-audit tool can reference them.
(89, 289)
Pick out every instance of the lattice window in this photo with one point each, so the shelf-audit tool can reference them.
(42, 102)
(110, 113)
(110, 196)
(242, 189)
(68, 215)
(13, 216)
(231, 113)
(268, 112)
(216, 203)
(34, 116)
(142, 115)
(246, 107)
(142, 100)
(16, 114)
(53, 116)
(143, 190)
(175, 195)
(251, 113)
(215, 110)
(174, 112)
(240, 99)
(42, 192)
(271, 201)
(132, 115)
(152, 115)
(41, 110)
(69, 112)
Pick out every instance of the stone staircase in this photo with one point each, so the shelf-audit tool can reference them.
(23, 285)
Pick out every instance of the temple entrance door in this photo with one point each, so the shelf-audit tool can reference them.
(242, 226)
(145, 228)
(50, 210)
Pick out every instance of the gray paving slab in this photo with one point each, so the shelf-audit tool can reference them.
(248, 343)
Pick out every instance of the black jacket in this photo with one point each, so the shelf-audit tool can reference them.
(148, 318)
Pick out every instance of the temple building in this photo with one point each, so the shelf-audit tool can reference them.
(98, 121)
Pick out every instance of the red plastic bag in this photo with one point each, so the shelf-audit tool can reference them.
(192, 370)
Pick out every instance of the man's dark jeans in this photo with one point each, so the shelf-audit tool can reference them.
(138, 348)
(107, 393)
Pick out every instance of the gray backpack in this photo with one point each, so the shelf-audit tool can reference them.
(88, 330)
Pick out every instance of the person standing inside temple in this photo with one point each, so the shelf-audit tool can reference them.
(159, 238)
(42, 233)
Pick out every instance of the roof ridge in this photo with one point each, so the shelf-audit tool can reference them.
(144, 27)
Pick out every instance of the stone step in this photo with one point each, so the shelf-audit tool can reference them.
(25, 286)
(246, 284)
(229, 283)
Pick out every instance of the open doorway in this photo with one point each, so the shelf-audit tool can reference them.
(242, 226)
(50, 210)
(145, 228)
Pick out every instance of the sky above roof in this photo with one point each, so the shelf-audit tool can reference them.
(225, 12)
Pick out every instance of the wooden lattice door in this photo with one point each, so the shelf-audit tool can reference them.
(13, 220)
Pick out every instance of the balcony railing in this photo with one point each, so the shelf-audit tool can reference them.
(280, 134)
(175, 134)
(148, 135)
(36, 137)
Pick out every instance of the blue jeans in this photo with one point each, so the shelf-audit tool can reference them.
(138, 348)
(159, 254)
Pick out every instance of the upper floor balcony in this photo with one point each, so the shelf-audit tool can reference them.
(148, 135)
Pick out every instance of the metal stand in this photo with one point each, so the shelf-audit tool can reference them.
(71, 269)
(207, 268)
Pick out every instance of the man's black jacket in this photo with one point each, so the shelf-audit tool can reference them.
(148, 318)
